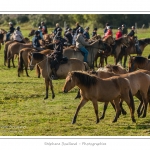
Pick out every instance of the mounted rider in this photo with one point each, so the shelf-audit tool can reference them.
(11, 31)
(81, 43)
(35, 41)
(86, 34)
(56, 56)
(94, 33)
(17, 35)
(132, 35)
(69, 36)
(44, 28)
(40, 31)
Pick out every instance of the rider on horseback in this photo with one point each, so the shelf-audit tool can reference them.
(11, 30)
(56, 56)
(17, 36)
(80, 44)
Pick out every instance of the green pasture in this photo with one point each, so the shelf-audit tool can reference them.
(24, 112)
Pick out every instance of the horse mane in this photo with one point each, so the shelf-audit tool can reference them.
(139, 59)
(38, 56)
(85, 78)
(114, 67)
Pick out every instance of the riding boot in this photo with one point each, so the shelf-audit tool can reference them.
(54, 75)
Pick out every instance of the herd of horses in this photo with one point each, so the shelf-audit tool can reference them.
(112, 83)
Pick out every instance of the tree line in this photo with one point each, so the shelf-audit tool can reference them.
(92, 20)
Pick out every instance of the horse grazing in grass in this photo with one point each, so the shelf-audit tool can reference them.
(102, 90)
(24, 59)
(138, 62)
(43, 63)
(140, 85)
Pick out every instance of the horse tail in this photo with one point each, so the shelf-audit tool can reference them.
(20, 62)
(131, 101)
(37, 70)
(86, 66)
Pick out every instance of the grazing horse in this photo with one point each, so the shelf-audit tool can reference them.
(24, 59)
(106, 51)
(138, 62)
(93, 49)
(102, 90)
(43, 63)
(140, 85)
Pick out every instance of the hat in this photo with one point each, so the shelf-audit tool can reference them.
(42, 22)
(107, 24)
(10, 22)
(69, 29)
(133, 27)
(108, 27)
(40, 27)
(87, 28)
(95, 28)
(119, 28)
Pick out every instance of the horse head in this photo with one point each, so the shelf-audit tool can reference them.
(31, 33)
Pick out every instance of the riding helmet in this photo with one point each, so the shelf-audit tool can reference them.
(18, 28)
(40, 27)
(10, 23)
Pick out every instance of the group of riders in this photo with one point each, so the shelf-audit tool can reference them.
(77, 36)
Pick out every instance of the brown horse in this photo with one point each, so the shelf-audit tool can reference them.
(24, 59)
(31, 33)
(26, 40)
(93, 49)
(102, 90)
(14, 48)
(43, 62)
(140, 85)
(131, 49)
(138, 62)
(105, 52)
(117, 69)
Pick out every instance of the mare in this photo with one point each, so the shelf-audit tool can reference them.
(131, 49)
(100, 90)
(124, 40)
(140, 84)
(26, 40)
(43, 63)
(138, 62)
(106, 51)
(14, 48)
(117, 69)
(25, 57)
(93, 49)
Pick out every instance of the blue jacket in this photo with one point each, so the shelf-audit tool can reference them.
(86, 35)
(35, 41)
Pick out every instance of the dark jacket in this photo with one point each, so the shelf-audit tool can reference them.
(11, 29)
(35, 41)
(58, 51)
(131, 33)
(68, 35)
(94, 33)
(86, 35)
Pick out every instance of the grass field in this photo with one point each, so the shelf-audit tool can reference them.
(24, 112)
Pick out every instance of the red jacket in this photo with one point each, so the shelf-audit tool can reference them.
(109, 32)
(118, 35)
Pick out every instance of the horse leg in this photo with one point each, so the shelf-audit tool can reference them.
(95, 104)
(118, 110)
(106, 60)
(82, 103)
(48, 83)
(145, 102)
(78, 94)
(122, 109)
(38, 71)
(101, 64)
(140, 108)
(26, 69)
(104, 110)
(128, 98)
(95, 59)
(13, 62)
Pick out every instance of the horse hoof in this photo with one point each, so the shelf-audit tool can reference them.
(124, 112)
(77, 97)
(114, 121)
(133, 120)
(97, 121)
(74, 121)
(143, 116)
(101, 118)
(45, 98)
(53, 96)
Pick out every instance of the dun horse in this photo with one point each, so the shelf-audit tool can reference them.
(138, 62)
(43, 62)
(140, 85)
(100, 90)
(93, 49)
